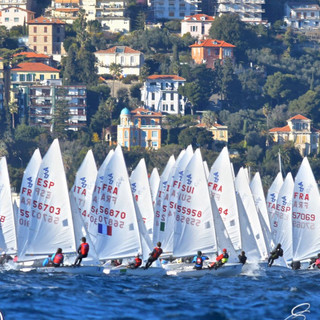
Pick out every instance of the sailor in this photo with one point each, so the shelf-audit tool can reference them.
(82, 251)
(242, 257)
(137, 262)
(4, 258)
(57, 258)
(317, 263)
(275, 254)
(220, 260)
(198, 260)
(296, 265)
(154, 255)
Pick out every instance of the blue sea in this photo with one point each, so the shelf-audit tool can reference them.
(268, 294)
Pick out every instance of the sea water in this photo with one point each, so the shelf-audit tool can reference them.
(270, 294)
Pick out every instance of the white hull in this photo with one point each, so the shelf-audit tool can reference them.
(228, 270)
(152, 271)
(90, 270)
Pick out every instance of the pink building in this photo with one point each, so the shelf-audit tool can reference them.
(197, 25)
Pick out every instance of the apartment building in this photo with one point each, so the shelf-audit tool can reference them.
(46, 35)
(197, 25)
(23, 4)
(65, 10)
(250, 11)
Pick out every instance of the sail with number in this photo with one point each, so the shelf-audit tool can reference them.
(24, 211)
(305, 214)
(282, 219)
(194, 226)
(221, 187)
(8, 240)
(115, 228)
(51, 224)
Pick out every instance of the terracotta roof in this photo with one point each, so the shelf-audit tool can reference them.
(282, 129)
(31, 55)
(299, 117)
(197, 17)
(119, 49)
(149, 113)
(67, 9)
(17, 8)
(45, 20)
(35, 67)
(165, 76)
(212, 43)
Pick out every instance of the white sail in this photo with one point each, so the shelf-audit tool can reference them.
(223, 239)
(243, 188)
(80, 200)
(282, 219)
(158, 221)
(141, 191)
(249, 243)
(51, 224)
(206, 169)
(194, 227)
(272, 196)
(114, 227)
(221, 186)
(260, 202)
(171, 197)
(154, 181)
(305, 214)
(27, 188)
(8, 240)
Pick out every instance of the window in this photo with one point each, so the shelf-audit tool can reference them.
(171, 96)
(132, 60)
(153, 122)
(58, 39)
(126, 134)
(16, 19)
(41, 76)
(14, 77)
(163, 96)
(22, 77)
(29, 77)
(153, 96)
(34, 39)
(122, 60)
(45, 29)
(155, 144)
(136, 122)
(53, 76)
(34, 29)
(45, 49)
(45, 39)
(6, 19)
(172, 107)
(154, 134)
(143, 122)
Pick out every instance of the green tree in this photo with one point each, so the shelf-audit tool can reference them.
(13, 109)
(197, 137)
(209, 118)
(60, 118)
(116, 71)
(71, 69)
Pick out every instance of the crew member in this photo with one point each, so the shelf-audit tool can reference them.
(82, 251)
(57, 258)
(275, 254)
(220, 260)
(198, 260)
(137, 262)
(154, 255)
(242, 257)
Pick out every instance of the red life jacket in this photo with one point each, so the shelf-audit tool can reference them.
(317, 263)
(84, 249)
(199, 261)
(138, 262)
(156, 253)
(219, 257)
(58, 258)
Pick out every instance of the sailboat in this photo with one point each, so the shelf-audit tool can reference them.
(27, 188)
(195, 228)
(154, 181)
(305, 214)
(51, 223)
(8, 239)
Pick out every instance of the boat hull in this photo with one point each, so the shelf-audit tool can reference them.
(91, 270)
(140, 272)
(228, 270)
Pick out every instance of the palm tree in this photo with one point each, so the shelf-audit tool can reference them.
(13, 109)
(115, 70)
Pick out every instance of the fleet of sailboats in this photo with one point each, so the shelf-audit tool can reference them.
(188, 208)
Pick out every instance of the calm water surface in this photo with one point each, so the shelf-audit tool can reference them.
(260, 295)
